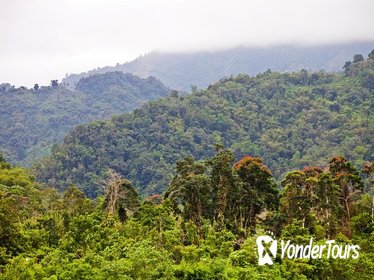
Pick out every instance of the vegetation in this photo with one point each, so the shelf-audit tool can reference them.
(31, 120)
(182, 70)
(290, 120)
(154, 194)
(205, 226)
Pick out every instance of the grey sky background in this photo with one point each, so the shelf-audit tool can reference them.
(42, 40)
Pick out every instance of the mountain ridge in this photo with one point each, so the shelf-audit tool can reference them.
(182, 70)
(289, 119)
(31, 120)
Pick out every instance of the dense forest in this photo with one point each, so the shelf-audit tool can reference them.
(182, 70)
(203, 227)
(31, 120)
(182, 187)
(291, 120)
(187, 140)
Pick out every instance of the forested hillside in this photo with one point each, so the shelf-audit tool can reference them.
(182, 70)
(204, 227)
(291, 120)
(31, 120)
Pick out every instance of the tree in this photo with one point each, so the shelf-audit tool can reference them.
(174, 94)
(295, 202)
(121, 198)
(347, 64)
(75, 200)
(222, 181)
(54, 83)
(190, 189)
(358, 58)
(3, 163)
(371, 54)
(312, 196)
(36, 87)
(347, 178)
(369, 172)
(9, 227)
(258, 190)
(327, 203)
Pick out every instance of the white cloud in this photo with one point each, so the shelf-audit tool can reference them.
(44, 39)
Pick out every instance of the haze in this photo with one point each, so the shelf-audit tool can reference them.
(44, 40)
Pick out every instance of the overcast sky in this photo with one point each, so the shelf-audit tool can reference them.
(42, 40)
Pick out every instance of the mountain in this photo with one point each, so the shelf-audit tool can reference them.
(31, 120)
(182, 70)
(289, 119)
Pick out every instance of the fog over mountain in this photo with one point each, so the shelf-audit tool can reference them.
(43, 40)
(181, 70)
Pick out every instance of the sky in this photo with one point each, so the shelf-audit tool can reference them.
(41, 40)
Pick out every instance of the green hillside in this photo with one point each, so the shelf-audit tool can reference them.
(291, 120)
(31, 120)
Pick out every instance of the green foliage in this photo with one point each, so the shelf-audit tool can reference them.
(290, 120)
(31, 121)
(190, 190)
(206, 225)
(324, 201)
(47, 235)
(14, 177)
(231, 195)
(256, 192)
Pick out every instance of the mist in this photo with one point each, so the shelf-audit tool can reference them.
(44, 40)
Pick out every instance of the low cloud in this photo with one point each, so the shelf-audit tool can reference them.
(44, 39)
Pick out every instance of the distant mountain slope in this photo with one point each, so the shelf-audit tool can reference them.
(181, 70)
(290, 119)
(31, 120)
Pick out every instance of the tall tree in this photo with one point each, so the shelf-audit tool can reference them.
(369, 172)
(327, 203)
(258, 190)
(190, 189)
(222, 180)
(347, 177)
(295, 202)
(121, 198)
